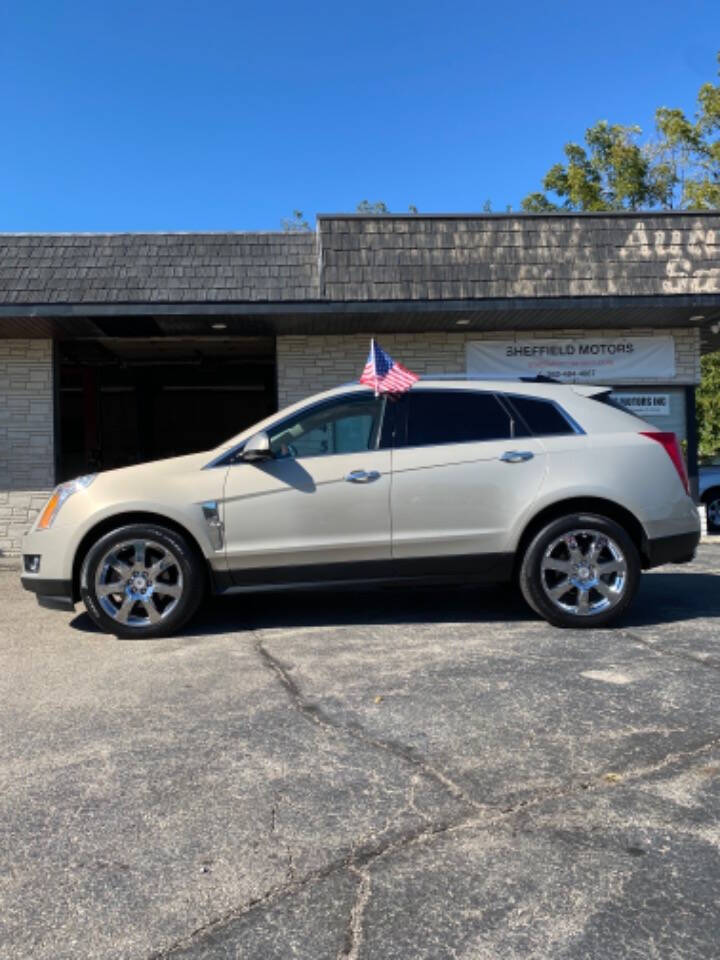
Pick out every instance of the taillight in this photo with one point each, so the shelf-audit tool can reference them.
(670, 442)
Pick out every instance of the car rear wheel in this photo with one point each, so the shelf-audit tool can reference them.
(141, 581)
(712, 508)
(580, 571)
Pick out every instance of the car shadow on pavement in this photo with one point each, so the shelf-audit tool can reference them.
(664, 597)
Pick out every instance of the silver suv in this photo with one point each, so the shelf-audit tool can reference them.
(455, 481)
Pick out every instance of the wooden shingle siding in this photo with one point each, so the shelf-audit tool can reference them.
(174, 268)
(433, 258)
(365, 259)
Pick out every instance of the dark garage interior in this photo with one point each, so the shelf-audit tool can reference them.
(125, 400)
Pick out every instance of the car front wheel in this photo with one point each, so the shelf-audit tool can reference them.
(140, 581)
(580, 571)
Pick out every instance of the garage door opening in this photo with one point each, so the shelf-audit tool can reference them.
(125, 401)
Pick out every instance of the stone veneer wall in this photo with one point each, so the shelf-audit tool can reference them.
(26, 439)
(308, 364)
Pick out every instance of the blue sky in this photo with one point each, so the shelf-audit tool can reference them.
(159, 115)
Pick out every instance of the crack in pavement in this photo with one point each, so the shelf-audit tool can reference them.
(360, 857)
(353, 860)
(660, 652)
(315, 714)
(351, 950)
(642, 773)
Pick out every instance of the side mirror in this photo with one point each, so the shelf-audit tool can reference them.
(257, 448)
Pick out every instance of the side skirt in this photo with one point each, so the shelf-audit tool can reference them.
(485, 568)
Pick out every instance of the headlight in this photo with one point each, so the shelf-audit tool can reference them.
(59, 496)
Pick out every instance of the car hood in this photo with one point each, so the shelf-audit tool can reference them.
(148, 479)
(158, 468)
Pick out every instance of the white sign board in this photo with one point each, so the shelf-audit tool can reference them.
(645, 404)
(574, 359)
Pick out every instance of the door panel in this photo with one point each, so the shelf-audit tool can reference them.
(462, 498)
(323, 498)
(464, 468)
(304, 511)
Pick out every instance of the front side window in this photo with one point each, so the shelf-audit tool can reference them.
(454, 416)
(347, 424)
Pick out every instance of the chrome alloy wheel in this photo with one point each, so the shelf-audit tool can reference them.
(584, 572)
(138, 583)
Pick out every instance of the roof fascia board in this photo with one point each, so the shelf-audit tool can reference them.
(636, 215)
(355, 307)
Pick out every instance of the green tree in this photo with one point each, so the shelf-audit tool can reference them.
(380, 207)
(680, 167)
(708, 405)
(296, 223)
(377, 207)
(697, 144)
(672, 154)
(611, 172)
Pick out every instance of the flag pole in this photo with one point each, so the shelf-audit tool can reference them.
(374, 364)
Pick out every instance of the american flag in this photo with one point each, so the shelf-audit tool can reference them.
(383, 374)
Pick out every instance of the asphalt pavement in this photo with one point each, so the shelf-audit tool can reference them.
(415, 774)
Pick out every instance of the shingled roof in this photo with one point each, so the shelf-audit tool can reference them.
(157, 267)
(381, 259)
(480, 257)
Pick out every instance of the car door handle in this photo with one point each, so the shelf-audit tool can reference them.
(517, 456)
(362, 476)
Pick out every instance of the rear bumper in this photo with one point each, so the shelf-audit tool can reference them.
(55, 594)
(679, 548)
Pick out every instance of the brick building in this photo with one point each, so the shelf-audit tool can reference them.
(116, 348)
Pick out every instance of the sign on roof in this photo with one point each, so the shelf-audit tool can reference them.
(574, 359)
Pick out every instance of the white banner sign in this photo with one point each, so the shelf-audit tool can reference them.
(645, 404)
(582, 359)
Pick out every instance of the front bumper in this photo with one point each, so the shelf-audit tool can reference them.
(679, 548)
(55, 594)
(53, 550)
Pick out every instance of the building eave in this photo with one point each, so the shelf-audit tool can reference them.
(83, 320)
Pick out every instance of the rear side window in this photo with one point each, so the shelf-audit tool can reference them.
(542, 417)
(454, 416)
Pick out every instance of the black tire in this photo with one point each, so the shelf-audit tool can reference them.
(712, 510)
(165, 598)
(593, 531)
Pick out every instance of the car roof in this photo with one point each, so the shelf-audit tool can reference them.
(451, 381)
(460, 381)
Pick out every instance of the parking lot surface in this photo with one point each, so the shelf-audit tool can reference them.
(392, 774)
